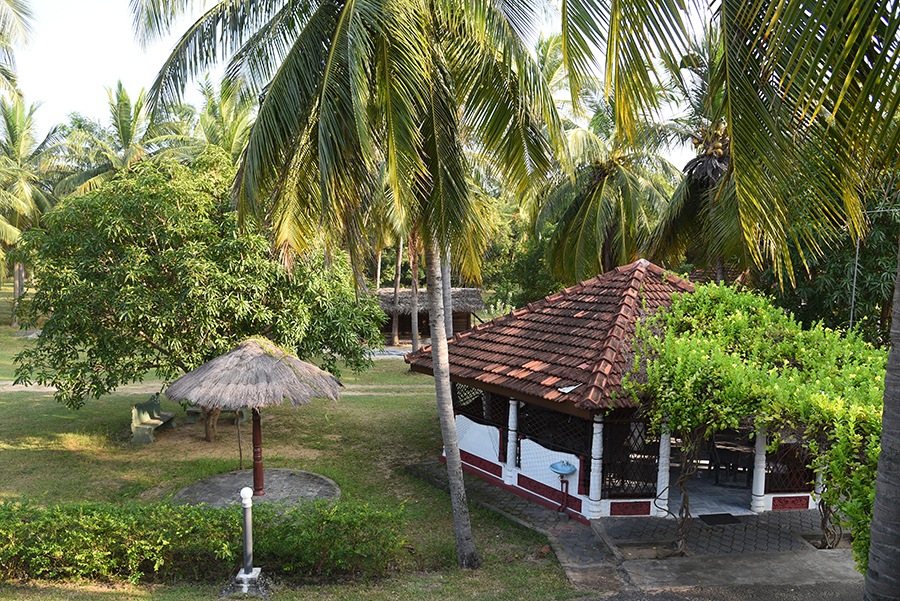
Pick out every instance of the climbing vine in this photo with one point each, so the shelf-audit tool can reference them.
(720, 357)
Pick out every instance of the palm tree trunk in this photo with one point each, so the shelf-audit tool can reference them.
(720, 270)
(466, 553)
(414, 268)
(378, 269)
(18, 290)
(883, 576)
(395, 324)
(448, 295)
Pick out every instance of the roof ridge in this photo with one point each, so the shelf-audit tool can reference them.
(670, 277)
(601, 370)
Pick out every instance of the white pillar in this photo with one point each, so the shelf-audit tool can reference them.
(819, 487)
(662, 477)
(512, 435)
(596, 486)
(758, 503)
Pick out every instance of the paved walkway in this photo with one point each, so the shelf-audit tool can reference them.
(632, 553)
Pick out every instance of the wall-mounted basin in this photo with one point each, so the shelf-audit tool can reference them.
(563, 468)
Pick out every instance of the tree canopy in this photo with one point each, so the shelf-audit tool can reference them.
(150, 272)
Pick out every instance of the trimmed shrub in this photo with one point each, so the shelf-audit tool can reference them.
(162, 542)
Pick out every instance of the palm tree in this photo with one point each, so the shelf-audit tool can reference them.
(15, 28)
(604, 214)
(26, 174)
(697, 223)
(226, 117)
(97, 153)
(353, 89)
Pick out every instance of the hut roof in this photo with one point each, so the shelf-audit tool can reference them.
(254, 374)
(466, 300)
(570, 348)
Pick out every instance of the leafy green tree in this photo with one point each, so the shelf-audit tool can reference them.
(603, 214)
(831, 291)
(719, 357)
(150, 272)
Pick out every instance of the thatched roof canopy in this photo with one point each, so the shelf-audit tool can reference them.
(254, 374)
(465, 300)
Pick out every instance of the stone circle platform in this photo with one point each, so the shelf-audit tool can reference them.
(282, 486)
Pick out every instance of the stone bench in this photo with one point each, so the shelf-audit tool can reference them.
(147, 417)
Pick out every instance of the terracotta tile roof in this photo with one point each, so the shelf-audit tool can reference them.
(571, 347)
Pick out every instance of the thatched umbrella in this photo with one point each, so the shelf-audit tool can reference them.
(255, 374)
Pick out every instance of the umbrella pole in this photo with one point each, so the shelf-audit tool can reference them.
(257, 456)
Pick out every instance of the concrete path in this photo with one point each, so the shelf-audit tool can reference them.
(629, 554)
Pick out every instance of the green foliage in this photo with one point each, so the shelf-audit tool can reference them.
(163, 542)
(151, 272)
(330, 539)
(515, 265)
(719, 356)
(824, 292)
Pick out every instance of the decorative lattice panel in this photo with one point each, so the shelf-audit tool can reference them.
(554, 430)
(630, 458)
(481, 406)
(560, 433)
(787, 470)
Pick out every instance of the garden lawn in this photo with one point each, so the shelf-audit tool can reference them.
(386, 419)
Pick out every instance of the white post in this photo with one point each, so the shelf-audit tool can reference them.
(662, 477)
(758, 504)
(596, 486)
(248, 577)
(511, 439)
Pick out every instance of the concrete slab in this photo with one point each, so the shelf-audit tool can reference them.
(787, 568)
(282, 486)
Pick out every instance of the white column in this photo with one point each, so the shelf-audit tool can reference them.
(596, 485)
(758, 503)
(662, 477)
(509, 472)
(819, 487)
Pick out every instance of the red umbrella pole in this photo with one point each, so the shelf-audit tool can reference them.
(257, 456)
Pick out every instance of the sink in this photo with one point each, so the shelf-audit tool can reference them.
(563, 468)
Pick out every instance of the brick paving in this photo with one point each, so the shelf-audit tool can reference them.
(579, 545)
(769, 532)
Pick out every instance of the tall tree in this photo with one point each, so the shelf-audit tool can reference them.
(604, 214)
(27, 173)
(96, 153)
(351, 87)
(15, 28)
(696, 223)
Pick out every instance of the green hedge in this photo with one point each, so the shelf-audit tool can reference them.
(162, 542)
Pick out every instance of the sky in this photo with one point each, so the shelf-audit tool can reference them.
(78, 49)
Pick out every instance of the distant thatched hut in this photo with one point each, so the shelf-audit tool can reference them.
(466, 301)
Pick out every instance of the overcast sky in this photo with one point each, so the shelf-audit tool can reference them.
(80, 48)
